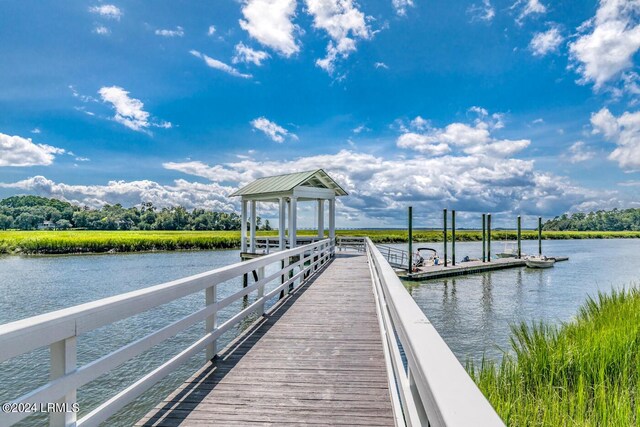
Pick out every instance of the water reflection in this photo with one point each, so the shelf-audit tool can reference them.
(474, 313)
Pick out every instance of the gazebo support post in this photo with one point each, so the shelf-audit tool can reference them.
(321, 219)
(252, 227)
(243, 227)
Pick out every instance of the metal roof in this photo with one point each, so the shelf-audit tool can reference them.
(284, 183)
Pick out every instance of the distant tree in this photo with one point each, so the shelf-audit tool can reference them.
(63, 224)
(5, 221)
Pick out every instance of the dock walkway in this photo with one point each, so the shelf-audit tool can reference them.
(319, 361)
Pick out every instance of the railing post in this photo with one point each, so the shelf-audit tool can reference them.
(211, 323)
(539, 236)
(63, 361)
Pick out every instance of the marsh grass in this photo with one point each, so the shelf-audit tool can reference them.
(585, 372)
(85, 241)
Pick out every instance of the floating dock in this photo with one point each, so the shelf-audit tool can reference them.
(463, 268)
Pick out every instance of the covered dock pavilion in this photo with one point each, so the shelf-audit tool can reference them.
(287, 191)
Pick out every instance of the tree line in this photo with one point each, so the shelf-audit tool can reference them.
(613, 220)
(34, 212)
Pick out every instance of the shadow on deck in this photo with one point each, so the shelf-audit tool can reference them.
(316, 359)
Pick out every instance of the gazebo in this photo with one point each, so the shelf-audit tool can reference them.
(287, 190)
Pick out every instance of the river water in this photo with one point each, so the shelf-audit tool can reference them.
(472, 313)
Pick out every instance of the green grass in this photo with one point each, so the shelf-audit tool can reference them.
(582, 373)
(81, 241)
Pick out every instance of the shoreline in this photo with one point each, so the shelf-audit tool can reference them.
(82, 242)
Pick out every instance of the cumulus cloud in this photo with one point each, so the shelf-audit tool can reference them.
(528, 7)
(380, 188)
(607, 42)
(624, 131)
(274, 131)
(178, 32)
(130, 193)
(129, 111)
(579, 152)
(212, 30)
(18, 151)
(219, 65)
(248, 56)
(484, 12)
(471, 138)
(108, 11)
(546, 42)
(401, 6)
(343, 22)
(270, 23)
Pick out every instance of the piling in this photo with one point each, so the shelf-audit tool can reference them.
(484, 237)
(489, 237)
(453, 237)
(519, 237)
(444, 216)
(540, 235)
(410, 239)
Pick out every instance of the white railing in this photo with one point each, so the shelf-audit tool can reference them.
(60, 329)
(355, 243)
(430, 387)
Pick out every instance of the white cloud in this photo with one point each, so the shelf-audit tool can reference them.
(18, 151)
(178, 32)
(129, 111)
(247, 55)
(219, 65)
(108, 11)
(212, 30)
(270, 23)
(624, 131)
(546, 42)
(360, 129)
(401, 6)
(343, 22)
(609, 47)
(102, 30)
(474, 139)
(380, 188)
(484, 12)
(188, 194)
(36, 130)
(528, 7)
(579, 152)
(275, 132)
(381, 65)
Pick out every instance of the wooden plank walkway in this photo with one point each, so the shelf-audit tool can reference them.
(317, 360)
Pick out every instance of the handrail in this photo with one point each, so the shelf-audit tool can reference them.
(60, 329)
(434, 389)
(398, 258)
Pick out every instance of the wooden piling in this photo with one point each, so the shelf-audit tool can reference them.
(410, 238)
(540, 235)
(444, 216)
(489, 237)
(519, 237)
(484, 237)
(453, 237)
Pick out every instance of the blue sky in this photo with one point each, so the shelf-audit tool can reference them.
(512, 107)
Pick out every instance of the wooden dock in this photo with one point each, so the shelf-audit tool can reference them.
(319, 361)
(463, 268)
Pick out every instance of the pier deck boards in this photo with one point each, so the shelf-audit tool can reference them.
(317, 360)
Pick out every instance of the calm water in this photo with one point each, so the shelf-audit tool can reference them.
(472, 313)
(35, 285)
